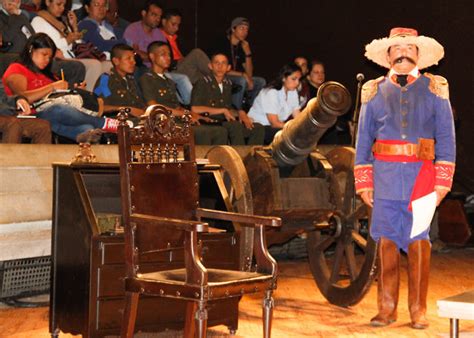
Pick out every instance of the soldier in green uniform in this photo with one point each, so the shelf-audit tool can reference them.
(213, 95)
(158, 89)
(119, 88)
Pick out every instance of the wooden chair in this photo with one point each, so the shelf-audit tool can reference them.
(159, 183)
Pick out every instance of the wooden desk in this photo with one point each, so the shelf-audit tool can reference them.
(457, 307)
(87, 291)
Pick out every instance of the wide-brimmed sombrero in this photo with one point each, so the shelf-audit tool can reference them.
(430, 51)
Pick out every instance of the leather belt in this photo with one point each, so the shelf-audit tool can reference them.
(407, 149)
(424, 150)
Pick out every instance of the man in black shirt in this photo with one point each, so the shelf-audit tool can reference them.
(238, 52)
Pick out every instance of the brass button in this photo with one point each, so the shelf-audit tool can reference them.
(404, 89)
(404, 112)
(404, 124)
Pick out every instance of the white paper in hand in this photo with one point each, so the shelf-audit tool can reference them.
(423, 211)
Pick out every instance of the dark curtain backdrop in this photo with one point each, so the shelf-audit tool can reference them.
(336, 33)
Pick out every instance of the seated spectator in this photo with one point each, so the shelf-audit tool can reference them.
(119, 88)
(303, 88)
(315, 78)
(278, 101)
(213, 95)
(33, 79)
(13, 127)
(15, 29)
(194, 65)
(115, 20)
(98, 31)
(141, 33)
(64, 32)
(237, 49)
(157, 88)
(31, 6)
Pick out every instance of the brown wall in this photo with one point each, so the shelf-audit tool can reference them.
(336, 32)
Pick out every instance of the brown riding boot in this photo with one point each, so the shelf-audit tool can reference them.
(419, 254)
(388, 283)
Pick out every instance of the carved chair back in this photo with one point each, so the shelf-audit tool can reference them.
(158, 178)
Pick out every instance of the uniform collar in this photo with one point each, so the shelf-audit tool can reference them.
(412, 75)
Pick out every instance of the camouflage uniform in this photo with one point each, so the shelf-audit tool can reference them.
(206, 92)
(163, 91)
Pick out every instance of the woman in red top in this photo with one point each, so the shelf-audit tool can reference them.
(32, 78)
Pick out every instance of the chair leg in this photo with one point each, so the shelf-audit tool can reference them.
(196, 320)
(129, 314)
(268, 305)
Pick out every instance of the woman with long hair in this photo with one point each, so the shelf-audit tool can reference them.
(61, 27)
(33, 79)
(277, 101)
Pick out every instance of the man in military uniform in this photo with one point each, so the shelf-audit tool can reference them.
(213, 95)
(404, 163)
(158, 89)
(119, 88)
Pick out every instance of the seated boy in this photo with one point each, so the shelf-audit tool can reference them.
(158, 89)
(213, 95)
(119, 88)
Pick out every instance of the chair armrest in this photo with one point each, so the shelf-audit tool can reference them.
(247, 220)
(171, 222)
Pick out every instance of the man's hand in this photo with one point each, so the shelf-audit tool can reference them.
(245, 119)
(368, 198)
(246, 47)
(440, 195)
(228, 115)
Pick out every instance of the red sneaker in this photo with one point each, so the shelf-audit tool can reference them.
(110, 125)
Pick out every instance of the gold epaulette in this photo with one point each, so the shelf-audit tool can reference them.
(369, 89)
(438, 85)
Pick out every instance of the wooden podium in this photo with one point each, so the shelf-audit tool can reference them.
(87, 291)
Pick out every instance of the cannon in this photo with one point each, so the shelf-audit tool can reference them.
(312, 191)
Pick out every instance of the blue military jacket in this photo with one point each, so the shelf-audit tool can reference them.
(390, 112)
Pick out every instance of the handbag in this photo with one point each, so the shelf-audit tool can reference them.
(87, 50)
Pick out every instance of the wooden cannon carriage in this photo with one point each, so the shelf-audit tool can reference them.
(313, 194)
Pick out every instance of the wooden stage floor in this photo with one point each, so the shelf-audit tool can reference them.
(301, 311)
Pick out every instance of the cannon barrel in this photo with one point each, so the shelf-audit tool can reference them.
(297, 139)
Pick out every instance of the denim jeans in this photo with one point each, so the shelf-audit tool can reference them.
(69, 122)
(238, 98)
(183, 85)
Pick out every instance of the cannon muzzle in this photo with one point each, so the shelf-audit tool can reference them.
(297, 139)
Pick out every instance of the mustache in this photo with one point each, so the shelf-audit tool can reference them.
(402, 58)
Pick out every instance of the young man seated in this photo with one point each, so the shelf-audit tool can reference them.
(119, 88)
(157, 88)
(213, 95)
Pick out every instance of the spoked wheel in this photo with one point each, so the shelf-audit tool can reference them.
(342, 257)
(235, 187)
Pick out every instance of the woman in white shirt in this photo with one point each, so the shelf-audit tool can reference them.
(64, 32)
(278, 101)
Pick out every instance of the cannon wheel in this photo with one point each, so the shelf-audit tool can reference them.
(239, 194)
(342, 259)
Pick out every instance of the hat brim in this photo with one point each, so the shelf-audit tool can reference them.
(430, 51)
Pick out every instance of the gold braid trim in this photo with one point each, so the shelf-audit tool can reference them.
(369, 89)
(438, 85)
